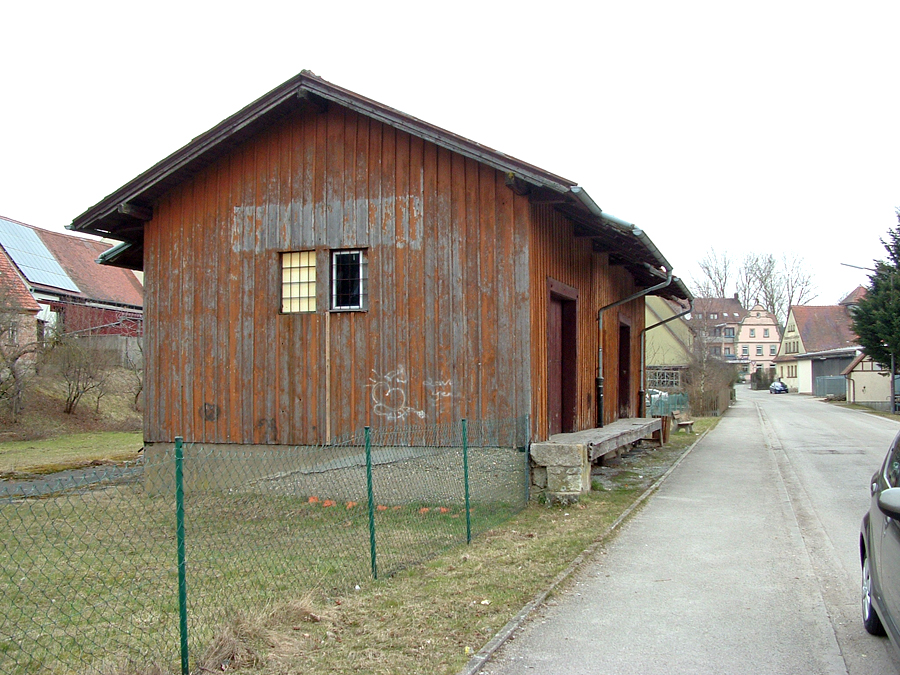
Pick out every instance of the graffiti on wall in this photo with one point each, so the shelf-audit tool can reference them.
(441, 391)
(389, 395)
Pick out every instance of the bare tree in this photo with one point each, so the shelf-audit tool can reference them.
(775, 283)
(754, 278)
(18, 349)
(134, 365)
(709, 378)
(799, 288)
(716, 268)
(81, 368)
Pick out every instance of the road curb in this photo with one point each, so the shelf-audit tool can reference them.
(476, 663)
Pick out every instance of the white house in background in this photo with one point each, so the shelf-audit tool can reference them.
(869, 383)
(817, 342)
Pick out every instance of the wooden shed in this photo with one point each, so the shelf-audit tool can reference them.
(319, 262)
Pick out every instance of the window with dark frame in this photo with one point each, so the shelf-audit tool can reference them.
(349, 280)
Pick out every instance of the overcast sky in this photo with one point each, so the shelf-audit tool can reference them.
(771, 127)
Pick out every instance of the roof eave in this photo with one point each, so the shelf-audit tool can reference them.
(121, 214)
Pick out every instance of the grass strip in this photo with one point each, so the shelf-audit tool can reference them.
(435, 617)
(268, 581)
(21, 459)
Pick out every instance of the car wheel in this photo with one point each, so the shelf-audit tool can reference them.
(870, 617)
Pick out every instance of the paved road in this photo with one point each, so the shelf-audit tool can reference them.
(745, 560)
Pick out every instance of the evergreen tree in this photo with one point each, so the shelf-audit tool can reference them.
(877, 318)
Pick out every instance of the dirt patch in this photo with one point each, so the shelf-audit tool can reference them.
(644, 463)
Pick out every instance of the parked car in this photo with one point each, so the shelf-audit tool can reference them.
(879, 548)
(654, 395)
(778, 387)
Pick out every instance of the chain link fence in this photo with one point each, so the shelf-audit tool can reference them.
(106, 569)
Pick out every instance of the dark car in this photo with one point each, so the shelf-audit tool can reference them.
(778, 387)
(879, 548)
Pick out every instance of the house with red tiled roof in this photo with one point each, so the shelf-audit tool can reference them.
(717, 322)
(110, 300)
(57, 278)
(818, 343)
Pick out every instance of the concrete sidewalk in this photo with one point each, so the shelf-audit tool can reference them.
(711, 576)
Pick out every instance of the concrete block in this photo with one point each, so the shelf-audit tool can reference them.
(559, 454)
(566, 479)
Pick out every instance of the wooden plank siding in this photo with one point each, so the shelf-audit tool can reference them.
(447, 330)
(556, 253)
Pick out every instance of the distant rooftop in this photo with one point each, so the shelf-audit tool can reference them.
(65, 265)
(34, 260)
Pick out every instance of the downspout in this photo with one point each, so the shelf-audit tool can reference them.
(635, 296)
(643, 402)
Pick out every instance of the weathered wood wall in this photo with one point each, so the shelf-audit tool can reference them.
(558, 254)
(446, 334)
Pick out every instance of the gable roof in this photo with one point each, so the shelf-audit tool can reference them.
(78, 257)
(65, 265)
(728, 309)
(122, 214)
(824, 328)
(855, 296)
(30, 255)
(13, 291)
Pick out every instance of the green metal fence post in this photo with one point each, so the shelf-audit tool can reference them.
(371, 496)
(465, 442)
(526, 436)
(179, 534)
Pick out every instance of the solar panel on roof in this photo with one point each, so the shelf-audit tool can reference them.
(28, 252)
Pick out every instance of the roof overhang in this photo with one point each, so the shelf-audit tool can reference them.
(128, 254)
(122, 214)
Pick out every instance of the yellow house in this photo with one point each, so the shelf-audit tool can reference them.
(668, 347)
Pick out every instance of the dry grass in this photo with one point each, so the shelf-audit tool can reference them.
(43, 416)
(427, 619)
(255, 639)
(432, 618)
(20, 459)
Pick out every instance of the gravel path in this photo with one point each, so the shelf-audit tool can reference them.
(71, 480)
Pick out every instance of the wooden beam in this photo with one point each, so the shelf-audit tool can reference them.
(516, 184)
(315, 103)
(137, 212)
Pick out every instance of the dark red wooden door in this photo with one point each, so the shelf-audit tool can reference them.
(624, 371)
(561, 365)
(554, 365)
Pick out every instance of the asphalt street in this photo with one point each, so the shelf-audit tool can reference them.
(744, 561)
